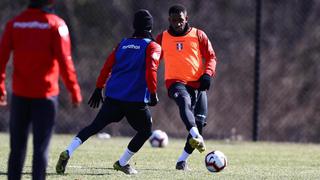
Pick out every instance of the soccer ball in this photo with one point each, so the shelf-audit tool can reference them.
(159, 139)
(215, 161)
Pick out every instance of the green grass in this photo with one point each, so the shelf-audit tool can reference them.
(247, 161)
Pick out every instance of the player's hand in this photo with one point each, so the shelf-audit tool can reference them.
(76, 100)
(205, 81)
(3, 99)
(76, 104)
(153, 99)
(96, 98)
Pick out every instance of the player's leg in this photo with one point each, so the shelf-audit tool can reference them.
(139, 117)
(198, 142)
(43, 113)
(183, 98)
(201, 110)
(108, 113)
(19, 128)
(187, 151)
(200, 114)
(179, 93)
(200, 106)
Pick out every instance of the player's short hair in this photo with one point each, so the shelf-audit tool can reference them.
(177, 9)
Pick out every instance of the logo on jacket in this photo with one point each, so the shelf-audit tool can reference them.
(179, 46)
(31, 25)
(131, 46)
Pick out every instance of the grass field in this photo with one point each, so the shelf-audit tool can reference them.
(247, 160)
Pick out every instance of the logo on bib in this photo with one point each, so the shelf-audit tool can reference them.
(179, 46)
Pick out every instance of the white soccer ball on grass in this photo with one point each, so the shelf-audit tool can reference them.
(159, 139)
(215, 161)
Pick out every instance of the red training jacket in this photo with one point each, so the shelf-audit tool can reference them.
(41, 49)
(153, 53)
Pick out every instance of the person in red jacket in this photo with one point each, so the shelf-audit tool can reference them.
(40, 43)
(187, 76)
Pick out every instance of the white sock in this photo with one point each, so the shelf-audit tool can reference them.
(125, 158)
(194, 132)
(184, 156)
(75, 143)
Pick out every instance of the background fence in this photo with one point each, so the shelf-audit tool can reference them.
(289, 77)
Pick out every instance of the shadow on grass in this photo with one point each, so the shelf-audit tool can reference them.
(141, 169)
(66, 174)
(87, 174)
(90, 174)
(55, 174)
(158, 170)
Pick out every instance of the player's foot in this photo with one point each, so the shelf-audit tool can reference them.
(197, 143)
(126, 169)
(182, 165)
(62, 162)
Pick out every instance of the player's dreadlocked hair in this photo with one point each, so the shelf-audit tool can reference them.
(177, 9)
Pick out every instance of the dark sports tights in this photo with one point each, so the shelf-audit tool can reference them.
(138, 116)
(193, 108)
(41, 114)
(192, 104)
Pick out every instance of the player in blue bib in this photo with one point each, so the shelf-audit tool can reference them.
(129, 77)
(128, 80)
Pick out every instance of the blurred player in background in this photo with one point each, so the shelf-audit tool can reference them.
(187, 77)
(40, 43)
(129, 77)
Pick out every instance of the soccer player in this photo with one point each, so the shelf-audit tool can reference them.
(129, 77)
(40, 43)
(187, 77)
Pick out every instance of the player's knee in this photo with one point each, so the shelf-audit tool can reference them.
(145, 134)
(184, 101)
(201, 120)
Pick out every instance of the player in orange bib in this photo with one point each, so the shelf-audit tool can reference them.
(187, 76)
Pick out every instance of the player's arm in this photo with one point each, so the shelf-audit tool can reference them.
(159, 41)
(152, 63)
(208, 53)
(105, 72)
(5, 50)
(62, 50)
(210, 61)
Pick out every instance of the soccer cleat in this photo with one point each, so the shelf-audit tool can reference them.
(182, 165)
(62, 162)
(126, 169)
(197, 143)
